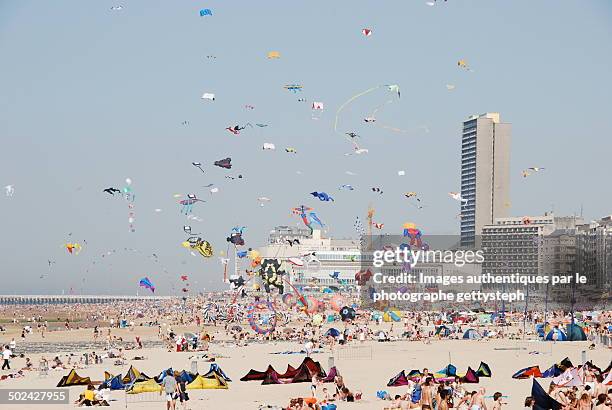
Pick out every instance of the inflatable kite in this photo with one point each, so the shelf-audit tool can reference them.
(147, 284)
(200, 245)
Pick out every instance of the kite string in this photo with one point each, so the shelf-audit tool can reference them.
(353, 98)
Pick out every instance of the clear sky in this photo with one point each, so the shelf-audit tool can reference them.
(90, 96)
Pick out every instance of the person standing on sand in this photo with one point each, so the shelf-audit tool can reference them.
(6, 356)
(171, 390)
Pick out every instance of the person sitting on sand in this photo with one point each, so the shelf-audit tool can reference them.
(87, 398)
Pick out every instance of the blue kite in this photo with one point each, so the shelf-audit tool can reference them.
(205, 12)
(323, 196)
(146, 283)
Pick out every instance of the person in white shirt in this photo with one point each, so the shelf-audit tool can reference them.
(13, 344)
(6, 355)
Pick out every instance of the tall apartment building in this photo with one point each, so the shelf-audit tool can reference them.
(485, 174)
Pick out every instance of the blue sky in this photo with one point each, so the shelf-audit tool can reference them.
(91, 96)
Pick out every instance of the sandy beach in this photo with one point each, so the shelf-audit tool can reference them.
(366, 367)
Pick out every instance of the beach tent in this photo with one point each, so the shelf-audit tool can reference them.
(112, 383)
(331, 376)
(414, 373)
(552, 371)
(541, 329)
(213, 382)
(214, 368)
(470, 376)
(160, 377)
(484, 370)
(255, 375)
(303, 373)
(443, 331)
(134, 375)
(73, 379)
(448, 371)
(560, 335)
(306, 370)
(392, 315)
(332, 332)
(145, 386)
(471, 334)
(527, 372)
(575, 333)
(542, 400)
(398, 380)
(566, 363)
(186, 376)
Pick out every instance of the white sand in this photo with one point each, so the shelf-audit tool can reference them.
(367, 375)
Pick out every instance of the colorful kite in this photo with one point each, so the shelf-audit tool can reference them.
(274, 55)
(366, 32)
(147, 284)
(293, 87)
(203, 247)
(323, 196)
(187, 204)
(225, 163)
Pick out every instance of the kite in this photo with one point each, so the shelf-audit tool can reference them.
(369, 119)
(214, 190)
(316, 107)
(225, 163)
(366, 32)
(273, 55)
(301, 99)
(378, 225)
(262, 200)
(249, 107)
(261, 125)
(457, 197)
(117, 8)
(237, 128)
(200, 245)
(307, 217)
(401, 173)
(350, 173)
(211, 57)
(187, 230)
(264, 312)
(9, 190)
(464, 65)
(73, 248)
(415, 234)
(526, 172)
(450, 87)
(268, 146)
(272, 275)
(208, 96)
(187, 204)
(293, 242)
(147, 284)
(185, 123)
(198, 165)
(290, 150)
(346, 187)
(293, 87)
(347, 313)
(323, 196)
(111, 191)
(205, 12)
(377, 190)
(236, 238)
